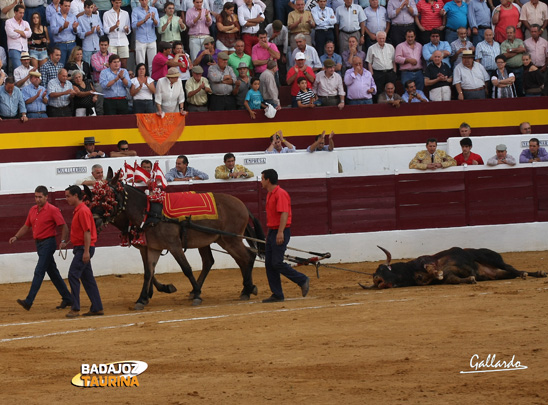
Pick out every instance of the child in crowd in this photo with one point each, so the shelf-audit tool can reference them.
(306, 97)
(254, 99)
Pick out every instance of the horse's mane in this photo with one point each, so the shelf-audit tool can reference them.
(134, 188)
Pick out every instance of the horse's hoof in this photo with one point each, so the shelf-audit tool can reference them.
(542, 274)
(255, 291)
(245, 297)
(139, 306)
(196, 302)
(171, 289)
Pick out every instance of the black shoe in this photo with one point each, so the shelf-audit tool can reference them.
(24, 304)
(63, 305)
(273, 298)
(94, 313)
(305, 287)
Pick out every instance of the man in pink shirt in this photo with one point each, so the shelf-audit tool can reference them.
(99, 62)
(537, 47)
(161, 62)
(408, 56)
(198, 21)
(263, 51)
(18, 31)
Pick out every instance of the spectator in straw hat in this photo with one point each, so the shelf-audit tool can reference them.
(170, 95)
(89, 151)
(470, 77)
(35, 96)
(21, 74)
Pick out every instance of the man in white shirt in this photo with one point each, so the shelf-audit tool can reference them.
(470, 77)
(117, 26)
(325, 20)
(249, 17)
(381, 59)
(22, 73)
(312, 58)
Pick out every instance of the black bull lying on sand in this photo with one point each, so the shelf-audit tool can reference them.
(451, 266)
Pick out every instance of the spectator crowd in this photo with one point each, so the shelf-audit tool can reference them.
(63, 58)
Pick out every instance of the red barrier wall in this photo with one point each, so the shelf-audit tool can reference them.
(358, 204)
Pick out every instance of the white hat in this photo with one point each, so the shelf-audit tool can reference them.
(300, 56)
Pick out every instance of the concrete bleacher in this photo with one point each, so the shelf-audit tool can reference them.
(368, 160)
(57, 175)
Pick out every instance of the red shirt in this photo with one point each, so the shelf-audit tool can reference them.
(473, 156)
(295, 85)
(82, 221)
(159, 66)
(277, 202)
(44, 223)
(430, 14)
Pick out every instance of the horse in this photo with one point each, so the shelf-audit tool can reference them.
(125, 206)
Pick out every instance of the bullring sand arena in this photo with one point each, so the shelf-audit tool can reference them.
(339, 345)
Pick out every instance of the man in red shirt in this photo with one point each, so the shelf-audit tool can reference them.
(83, 236)
(44, 219)
(299, 70)
(467, 156)
(278, 221)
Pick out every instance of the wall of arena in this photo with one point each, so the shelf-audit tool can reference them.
(416, 213)
(233, 131)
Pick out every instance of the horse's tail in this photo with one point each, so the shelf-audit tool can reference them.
(256, 231)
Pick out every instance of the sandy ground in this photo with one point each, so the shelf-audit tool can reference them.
(341, 344)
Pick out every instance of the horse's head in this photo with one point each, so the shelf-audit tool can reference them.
(108, 200)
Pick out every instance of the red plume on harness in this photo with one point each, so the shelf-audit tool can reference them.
(104, 197)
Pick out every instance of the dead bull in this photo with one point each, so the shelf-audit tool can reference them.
(452, 266)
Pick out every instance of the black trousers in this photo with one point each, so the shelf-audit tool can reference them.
(222, 103)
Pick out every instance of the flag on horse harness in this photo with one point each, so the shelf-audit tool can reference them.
(129, 171)
(158, 175)
(141, 174)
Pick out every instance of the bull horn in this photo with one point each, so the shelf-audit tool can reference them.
(387, 253)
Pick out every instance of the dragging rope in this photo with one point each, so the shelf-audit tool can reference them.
(315, 261)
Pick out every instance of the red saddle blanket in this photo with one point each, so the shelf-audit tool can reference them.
(182, 205)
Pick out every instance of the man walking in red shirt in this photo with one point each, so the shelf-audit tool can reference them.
(83, 236)
(44, 219)
(278, 221)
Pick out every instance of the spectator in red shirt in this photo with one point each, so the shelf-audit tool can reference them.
(299, 70)
(83, 236)
(278, 221)
(161, 62)
(467, 156)
(44, 219)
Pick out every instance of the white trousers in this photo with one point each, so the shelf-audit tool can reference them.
(195, 45)
(441, 94)
(142, 50)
